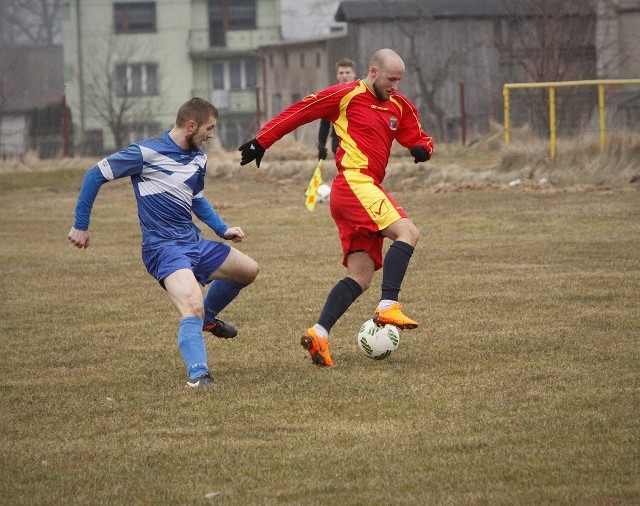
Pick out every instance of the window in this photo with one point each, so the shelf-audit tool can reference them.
(217, 76)
(250, 75)
(225, 15)
(233, 75)
(134, 17)
(137, 79)
(142, 130)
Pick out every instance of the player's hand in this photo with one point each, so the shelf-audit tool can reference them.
(234, 234)
(251, 151)
(420, 154)
(79, 238)
(322, 153)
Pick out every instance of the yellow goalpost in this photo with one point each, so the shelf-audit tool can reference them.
(600, 83)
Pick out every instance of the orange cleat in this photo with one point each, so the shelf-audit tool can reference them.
(394, 316)
(318, 348)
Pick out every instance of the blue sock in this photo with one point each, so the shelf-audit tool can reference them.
(220, 294)
(192, 346)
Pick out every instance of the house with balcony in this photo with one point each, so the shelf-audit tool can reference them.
(129, 65)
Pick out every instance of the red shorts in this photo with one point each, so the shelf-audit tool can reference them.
(361, 208)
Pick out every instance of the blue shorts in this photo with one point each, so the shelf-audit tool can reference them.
(203, 258)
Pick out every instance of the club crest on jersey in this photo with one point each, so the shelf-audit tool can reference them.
(393, 122)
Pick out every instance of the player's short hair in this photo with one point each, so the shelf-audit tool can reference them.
(346, 62)
(196, 109)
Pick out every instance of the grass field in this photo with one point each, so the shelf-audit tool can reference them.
(520, 387)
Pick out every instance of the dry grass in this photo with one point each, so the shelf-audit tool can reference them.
(521, 385)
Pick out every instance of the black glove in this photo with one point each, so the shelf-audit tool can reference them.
(322, 153)
(251, 151)
(420, 154)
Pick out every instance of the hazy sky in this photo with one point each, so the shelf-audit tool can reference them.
(305, 19)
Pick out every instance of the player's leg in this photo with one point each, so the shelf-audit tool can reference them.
(186, 295)
(360, 269)
(237, 271)
(405, 236)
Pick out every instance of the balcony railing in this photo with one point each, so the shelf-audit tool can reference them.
(235, 40)
(229, 100)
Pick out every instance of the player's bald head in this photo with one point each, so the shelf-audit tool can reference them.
(386, 59)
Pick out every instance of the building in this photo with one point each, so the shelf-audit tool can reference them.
(293, 69)
(30, 79)
(128, 66)
(459, 53)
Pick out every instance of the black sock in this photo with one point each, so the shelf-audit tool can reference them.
(394, 267)
(338, 301)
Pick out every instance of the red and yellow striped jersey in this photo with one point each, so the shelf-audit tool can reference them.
(365, 125)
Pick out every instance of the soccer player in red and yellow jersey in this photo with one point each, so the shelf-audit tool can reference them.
(368, 115)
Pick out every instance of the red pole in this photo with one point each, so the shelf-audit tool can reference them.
(463, 115)
(65, 127)
(258, 110)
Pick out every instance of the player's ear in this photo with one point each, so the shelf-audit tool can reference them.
(191, 126)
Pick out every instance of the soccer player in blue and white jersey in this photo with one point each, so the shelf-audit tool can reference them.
(168, 174)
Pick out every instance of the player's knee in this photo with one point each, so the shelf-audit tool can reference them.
(193, 306)
(250, 272)
(363, 281)
(409, 234)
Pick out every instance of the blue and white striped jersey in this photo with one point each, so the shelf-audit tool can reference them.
(166, 179)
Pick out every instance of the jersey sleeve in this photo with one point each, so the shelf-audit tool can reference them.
(410, 132)
(93, 180)
(324, 104)
(323, 132)
(127, 162)
(205, 213)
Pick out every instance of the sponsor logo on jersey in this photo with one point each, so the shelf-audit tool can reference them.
(379, 208)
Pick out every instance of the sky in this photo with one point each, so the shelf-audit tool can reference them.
(308, 19)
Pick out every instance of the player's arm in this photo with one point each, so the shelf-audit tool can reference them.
(207, 215)
(205, 212)
(324, 104)
(412, 136)
(79, 233)
(323, 133)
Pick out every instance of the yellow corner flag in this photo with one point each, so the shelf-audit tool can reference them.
(312, 189)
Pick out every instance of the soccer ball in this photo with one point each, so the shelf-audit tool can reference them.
(378, 342)
(322, 195)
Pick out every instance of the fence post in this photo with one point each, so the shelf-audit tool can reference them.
(601, 110)
(507, 132)
(65, 127)
(463, 115)
(552, 120)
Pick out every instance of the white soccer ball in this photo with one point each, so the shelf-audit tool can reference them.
(378, 342)
(322, 195)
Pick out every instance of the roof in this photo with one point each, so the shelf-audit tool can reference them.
(360, 10)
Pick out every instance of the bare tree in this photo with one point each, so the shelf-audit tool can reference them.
(430, 76)
(109, 100)
(548, 41)
(32, 21)
(439, 54)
